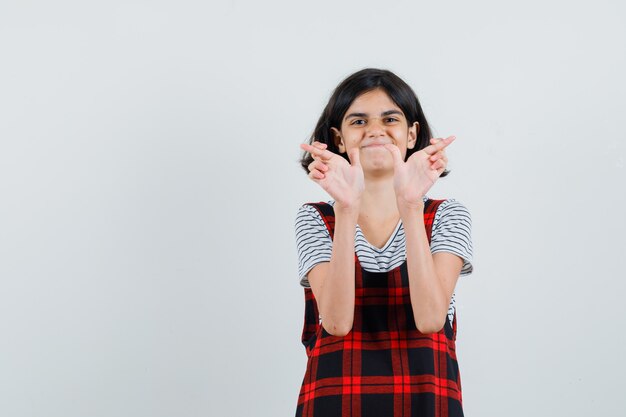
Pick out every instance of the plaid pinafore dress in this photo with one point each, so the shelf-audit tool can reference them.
(384, 367)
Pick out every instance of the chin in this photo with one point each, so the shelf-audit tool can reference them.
(378, 166)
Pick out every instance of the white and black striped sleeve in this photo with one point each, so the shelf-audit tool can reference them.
(312, 240)
(452, 232)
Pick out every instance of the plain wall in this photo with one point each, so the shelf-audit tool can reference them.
(149, 182)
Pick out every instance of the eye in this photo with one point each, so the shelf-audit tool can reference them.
(391, 120)
(358, 122)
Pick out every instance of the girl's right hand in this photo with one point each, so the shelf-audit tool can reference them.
(343, 181)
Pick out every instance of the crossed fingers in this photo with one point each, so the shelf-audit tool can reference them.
(436, 150)
(318, 151)
(320, 155)
(438, 145)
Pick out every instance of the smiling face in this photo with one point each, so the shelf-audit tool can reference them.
(371, 121)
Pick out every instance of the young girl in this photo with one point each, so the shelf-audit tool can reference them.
(380, 261)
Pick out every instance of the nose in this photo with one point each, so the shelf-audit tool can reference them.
(375, 128)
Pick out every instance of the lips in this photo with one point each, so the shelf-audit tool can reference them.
(375, 144)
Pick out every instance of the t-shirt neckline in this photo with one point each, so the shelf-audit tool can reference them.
(391, 238)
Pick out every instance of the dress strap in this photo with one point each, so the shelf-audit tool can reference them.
(327, 212)
(430, 210)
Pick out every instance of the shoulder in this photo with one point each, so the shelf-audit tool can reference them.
(311, 218)
(452, 210)
(451, 204)
(313, 240)
(313, 212)
(452, 232)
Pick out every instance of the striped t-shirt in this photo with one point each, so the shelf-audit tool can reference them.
(451, 232)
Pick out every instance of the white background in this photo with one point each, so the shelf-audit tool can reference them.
(149, 183)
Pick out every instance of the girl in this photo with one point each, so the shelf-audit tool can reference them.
(380, 261)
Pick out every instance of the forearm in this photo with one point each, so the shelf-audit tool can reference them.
(427, 292)
(337, 292)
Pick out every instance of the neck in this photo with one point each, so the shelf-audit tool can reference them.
(379, 199)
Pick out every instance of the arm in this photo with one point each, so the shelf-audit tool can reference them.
(332, 282)
(432, 277)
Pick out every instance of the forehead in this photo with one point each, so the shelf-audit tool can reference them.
(373, 102)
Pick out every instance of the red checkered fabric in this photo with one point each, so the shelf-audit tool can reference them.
(384, 367)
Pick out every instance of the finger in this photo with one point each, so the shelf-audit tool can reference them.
(322, 154)
(316, 175)
(438, 155)
(435, 140)
(320, 145)
(439, 145)
(355, 158)
(395, 154)
(320, 166)
(437, 165)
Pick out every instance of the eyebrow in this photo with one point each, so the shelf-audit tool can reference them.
(383, 114)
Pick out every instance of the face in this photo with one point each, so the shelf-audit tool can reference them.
(372, 120)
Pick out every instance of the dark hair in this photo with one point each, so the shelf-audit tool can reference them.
(359, 83)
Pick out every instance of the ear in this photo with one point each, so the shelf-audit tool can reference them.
(338, 139)
(413, 131)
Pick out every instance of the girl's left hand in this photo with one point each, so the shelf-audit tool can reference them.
(413, 178)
